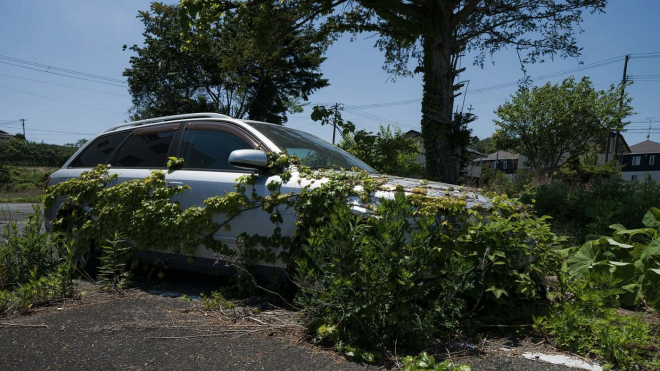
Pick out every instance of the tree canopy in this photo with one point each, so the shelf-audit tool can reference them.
(549, 123)
(388, 151)
(229, 69)
(434, 34)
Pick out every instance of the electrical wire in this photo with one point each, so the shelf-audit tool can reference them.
(51, 131)
(63, 70)
(67, 86)
(59, 100)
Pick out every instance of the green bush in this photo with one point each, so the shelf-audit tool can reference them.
(584, 209)
(401, 270)
(407, 275)
(588, 323)
(35, 267)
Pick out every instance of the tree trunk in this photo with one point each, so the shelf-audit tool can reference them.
(440, 131)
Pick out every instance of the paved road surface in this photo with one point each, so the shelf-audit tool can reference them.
(14, 212)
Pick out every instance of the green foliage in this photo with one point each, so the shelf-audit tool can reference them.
(215, 301)
(27, 153)
(371, 270)
(485, 146)
(332, 116)
(35, 267)
(588, 324)
(424, 361)
(388, 151)
(417, 268)
(230, 68)
(579, 209)
(114, 269)
(631, 257)
(23, 183)
(551, 122)
(431, 35)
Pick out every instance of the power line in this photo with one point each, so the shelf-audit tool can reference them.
(60, 74)
(62, 70)
(59, 100)
(507, 84)
(67, 86)
(52, 131)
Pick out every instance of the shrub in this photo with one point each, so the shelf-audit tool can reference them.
(418, 268)
(371, 271)
(35, 267)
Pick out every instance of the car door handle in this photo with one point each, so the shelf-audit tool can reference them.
(174, 184)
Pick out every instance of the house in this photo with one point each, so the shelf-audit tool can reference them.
(509, 162)
(642, 162)
(5, 136)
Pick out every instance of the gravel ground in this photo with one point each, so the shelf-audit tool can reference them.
(142, 331)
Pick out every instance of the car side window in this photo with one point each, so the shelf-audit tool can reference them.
(146, 147)
(99, 151)
(207, 146)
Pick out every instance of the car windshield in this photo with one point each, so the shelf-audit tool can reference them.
(313, 151)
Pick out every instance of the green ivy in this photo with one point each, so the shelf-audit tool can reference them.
(372, 270)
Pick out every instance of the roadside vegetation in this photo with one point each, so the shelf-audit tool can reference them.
(23, 183)
(26, 165)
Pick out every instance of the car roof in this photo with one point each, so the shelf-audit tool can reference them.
(204, 116)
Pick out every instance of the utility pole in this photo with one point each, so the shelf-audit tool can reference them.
(648, 136)
(623, 89)
(23, 122)
(334, 123)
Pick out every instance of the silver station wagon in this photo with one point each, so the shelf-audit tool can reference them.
(217, 149)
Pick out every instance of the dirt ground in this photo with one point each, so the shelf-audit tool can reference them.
(146, 330)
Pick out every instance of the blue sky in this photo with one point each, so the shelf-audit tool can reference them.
(87, 36)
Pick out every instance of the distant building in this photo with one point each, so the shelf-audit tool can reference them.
(503, 161)
(5, 136)
(642, 162)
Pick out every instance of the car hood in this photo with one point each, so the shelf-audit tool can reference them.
(433, 189)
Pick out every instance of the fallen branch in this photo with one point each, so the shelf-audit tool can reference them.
(9, 324)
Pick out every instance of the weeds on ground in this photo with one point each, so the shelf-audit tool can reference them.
(35, 267)
(423, 362)
(588, 323)
(114, 272)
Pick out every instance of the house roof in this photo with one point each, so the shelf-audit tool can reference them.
(647, 146)
(412, 134)
(500, 155)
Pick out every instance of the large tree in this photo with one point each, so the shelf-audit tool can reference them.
(435, 33)
(549, 123)
(229, 69)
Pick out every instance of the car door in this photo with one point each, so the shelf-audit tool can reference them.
(205, 148)
(145, 150)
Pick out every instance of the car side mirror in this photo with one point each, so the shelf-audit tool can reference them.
(252, 159)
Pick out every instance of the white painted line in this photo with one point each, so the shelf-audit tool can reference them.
(563, 360)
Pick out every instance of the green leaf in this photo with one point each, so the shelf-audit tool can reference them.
(425, 361)
(651, 251)
(651, 287)
(582, 260)
(622, 271)
(497, 291)
(651, 218)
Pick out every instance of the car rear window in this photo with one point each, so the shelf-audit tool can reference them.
(99, 151)
(146, 148)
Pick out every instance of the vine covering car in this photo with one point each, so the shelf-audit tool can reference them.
(217, 152)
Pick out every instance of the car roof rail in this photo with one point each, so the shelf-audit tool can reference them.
(169, 118)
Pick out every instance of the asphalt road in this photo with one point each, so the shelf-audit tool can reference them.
(152, 332)
(14, 212)
(138, 330)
